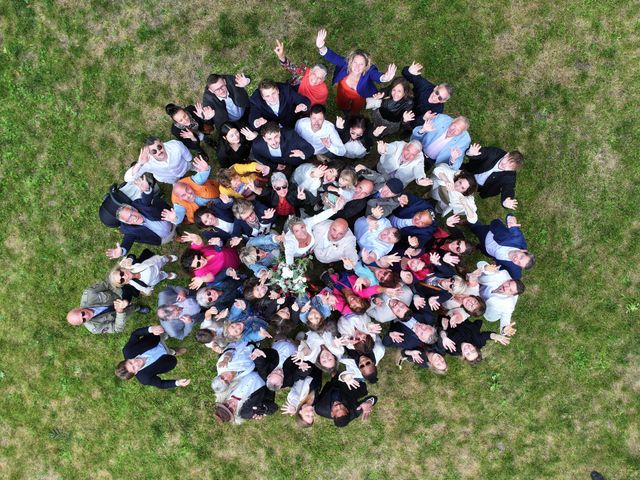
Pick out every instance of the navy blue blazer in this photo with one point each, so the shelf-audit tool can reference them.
(151, 208)
(222, 211)
(410, 340)
(337, 390)
(498, 183)
(505, 237)
(289, 140)
(415, 205)
(265, 225)
(141, 341)
(422, 89)
(289, 99)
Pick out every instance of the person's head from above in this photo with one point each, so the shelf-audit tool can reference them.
(233, 330)
(437, 363)
(248, 255)
(458, 126)
(315, 319)
(368, 369)
(339, 414)
(156, 148)
(225, 412)
(269, 91)
(465, 183)
(455, 285)
(331, 173)
(386, 277)
(229, 178)
(522, 258)
(317, 74)
(337, 230)
(178, 114)
(204, 336)
(129, 215)
(474, 305)
(358, 62)
(364, 188)
(128, 369)
(327, 361)
(470, 353)
(270, 133)
(254, 290)
(280, 184)
(391, 188)
(357, 126)
(306, 415)
(230, 133)
(204, 218)
(317, 115)
(120, 276)
(348, 178)
(217, 85)
(298, 228)
(400, 309)
(459, 247)
(390, 235)
(356, 304)
(415, 264)
(191, 260)
(221, 382)
(441, 93)
(78, 316)
(425, 333)
(423, 218)
(207, 296)
(275, 379)
(399, 89)
(512, 161)
(169, 312)
(510, 288)
(243, 210)
(184, 192)
(411, 151)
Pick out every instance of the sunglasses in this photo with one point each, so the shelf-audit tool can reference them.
(198, 261)
(84, 316)
(122, 276)
(281, 187)
(158, 148)
(439, 96)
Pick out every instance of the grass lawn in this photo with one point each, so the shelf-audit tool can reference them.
(83, 82)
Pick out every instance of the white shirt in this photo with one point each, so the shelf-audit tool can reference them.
(302, 177)
(370, 240)
(435, 147)
(285, 349)
(497, 251)
(291, 246)
(354, 149)
(329, 251)
(177, 164)
(389, 164)
(481, 178)
(456, 202)
(303, 128)
(315, 341)
(499, 307)
(383, 313)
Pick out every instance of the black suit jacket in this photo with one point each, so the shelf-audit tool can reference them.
(150, 207)
(239, 96)
(410, 340)
(498, 183)
(350, 398)
(187, 142)
(289, 140)
(261, 402)
(289, 99)
(141, 341)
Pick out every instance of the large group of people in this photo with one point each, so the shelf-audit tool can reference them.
(383, 198)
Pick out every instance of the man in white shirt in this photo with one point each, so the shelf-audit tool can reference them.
(376, 236)
(320, 133)
(500, 292)
(403, 161)
(334, 241)
(168, 161)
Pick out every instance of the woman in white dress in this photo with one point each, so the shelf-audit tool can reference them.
(453, 191)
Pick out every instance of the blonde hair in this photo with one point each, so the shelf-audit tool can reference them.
(359, 53)
(249, 255)
(308, 400)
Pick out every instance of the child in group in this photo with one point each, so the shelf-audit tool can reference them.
(344, 187)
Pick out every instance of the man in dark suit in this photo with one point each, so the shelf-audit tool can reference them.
(495, 172)
(141, 222)
(277, 102)
(228, 97)
(146, 357)
(411, 334)
(343, 403)
(506, 244)
(427, 96)
(278, 147)
(254, 218)
(416, 219)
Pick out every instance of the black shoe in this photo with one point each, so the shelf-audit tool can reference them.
(326, 278)
(143, 309)
(596, 476)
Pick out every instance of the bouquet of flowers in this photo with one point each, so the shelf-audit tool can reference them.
(291, 278)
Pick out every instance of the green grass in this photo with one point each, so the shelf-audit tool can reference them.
(82, 83)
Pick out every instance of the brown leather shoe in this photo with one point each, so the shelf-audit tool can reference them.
(180, 351)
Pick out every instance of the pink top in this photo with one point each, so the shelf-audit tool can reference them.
(217, 260)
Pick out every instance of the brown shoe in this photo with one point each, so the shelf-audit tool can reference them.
(400, 358)
(180, 351)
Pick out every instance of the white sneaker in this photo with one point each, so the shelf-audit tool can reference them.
(172, 276)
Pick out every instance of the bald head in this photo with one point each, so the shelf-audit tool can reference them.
(338, 229)
(364, 188)
(78, 316)
(184, 192)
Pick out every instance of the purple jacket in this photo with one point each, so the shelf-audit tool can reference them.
(366, 86)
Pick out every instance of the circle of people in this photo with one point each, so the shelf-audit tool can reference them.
(289, 184)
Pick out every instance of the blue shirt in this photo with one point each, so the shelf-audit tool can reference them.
(198, 178)
(154, 354)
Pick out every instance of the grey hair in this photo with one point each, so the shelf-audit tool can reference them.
(416, 143)
(464, 119)
(201, 298)
(319, 66)
(241, 206)
(164, 312)
(448, 88)
(293, 220)
(278, 178)
(121, 208)
(218, 385)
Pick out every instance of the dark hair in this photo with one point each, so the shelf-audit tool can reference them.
(473, 185)
(469, 247)
(482, 307)
(225, 128)
(122, 372)
(283, 325)
(247, 292)
(371, 377)
(356, 303)
(172, 109)
(269, 127)
(392, 281)
(150, 141)
(204, 336)
(330, 371)
(519, 287)
(407, 315)
(342, 421)
(477, 360)
(213, 78)
(197, 216)
(517, 158)
(408, 93)
(266, 84)
(358, 121)
(318, 108)
(186, 259)
(531, 262)
(226, 175)
(365, 346)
